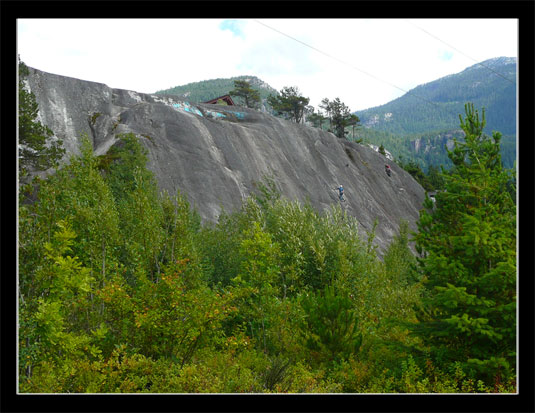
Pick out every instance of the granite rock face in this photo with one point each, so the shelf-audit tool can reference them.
(217, 154)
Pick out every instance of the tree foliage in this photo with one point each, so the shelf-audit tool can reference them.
(339, 115)
(289, 103)
(414, 169)
(316, 118)
(123, 289)
(468, 247)
(246, 94)
(38, 150)
(332, 326)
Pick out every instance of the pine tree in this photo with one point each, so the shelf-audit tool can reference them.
(414, 169)
(468, 255)
(316, 119)
(352, 121)
(332, 325)
(382, 150)
(339, 115)
(435, 177)
(243, 90)
(290, 103)
(37, 150)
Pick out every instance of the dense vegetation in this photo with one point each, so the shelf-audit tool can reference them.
(122, 289)
(432, 146)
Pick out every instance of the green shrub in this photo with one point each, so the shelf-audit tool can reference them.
(331, 328)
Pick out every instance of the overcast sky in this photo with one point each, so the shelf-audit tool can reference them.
(364, 62)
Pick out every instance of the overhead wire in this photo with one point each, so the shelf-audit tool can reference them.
(345, 63)
(371, 75)
(464, 54)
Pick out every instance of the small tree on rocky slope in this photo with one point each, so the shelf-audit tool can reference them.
(290, 103)
(243, 90)
(339, 115)
(36, 149)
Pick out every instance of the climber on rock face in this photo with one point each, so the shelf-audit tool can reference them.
(388, 170)
(341, 193)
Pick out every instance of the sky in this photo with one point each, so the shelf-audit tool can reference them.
(363, 62)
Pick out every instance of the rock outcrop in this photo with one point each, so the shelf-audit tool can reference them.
(216, 154)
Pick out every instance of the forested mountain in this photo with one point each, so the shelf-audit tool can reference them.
(209, 89)
(418, 123)
(436, 105)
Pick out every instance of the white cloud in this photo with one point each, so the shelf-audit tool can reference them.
(146, 55)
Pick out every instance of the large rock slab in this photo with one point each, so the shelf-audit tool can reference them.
(217, 154)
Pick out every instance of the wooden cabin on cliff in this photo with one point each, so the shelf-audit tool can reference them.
(226, 99)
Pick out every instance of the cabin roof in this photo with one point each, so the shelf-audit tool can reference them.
(224, 98)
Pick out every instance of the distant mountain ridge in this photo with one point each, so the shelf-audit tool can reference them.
(435, 106)
(422, 123)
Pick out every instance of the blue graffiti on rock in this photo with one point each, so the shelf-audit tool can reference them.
(215, 115)
(186, 107)
(218, 115)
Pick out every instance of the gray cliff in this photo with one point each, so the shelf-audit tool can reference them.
(216, 154)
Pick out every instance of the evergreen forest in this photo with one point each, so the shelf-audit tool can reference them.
(435, 106)
(430, 112)
(122, 288)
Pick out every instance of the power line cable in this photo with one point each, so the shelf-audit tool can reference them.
(464, 54)
(347, 64)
